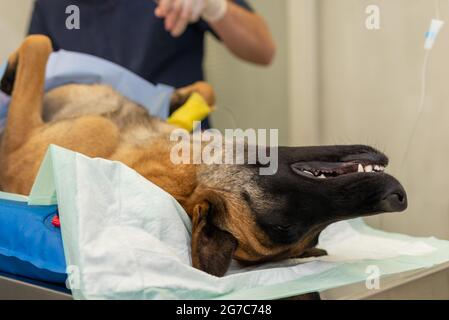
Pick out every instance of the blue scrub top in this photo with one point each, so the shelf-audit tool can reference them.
(128, 33)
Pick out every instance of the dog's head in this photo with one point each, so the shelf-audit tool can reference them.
(240, 214)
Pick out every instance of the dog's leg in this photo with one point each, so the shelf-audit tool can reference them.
(181, 95)
(26, 68)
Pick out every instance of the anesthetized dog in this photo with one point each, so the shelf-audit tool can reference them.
(236, 213)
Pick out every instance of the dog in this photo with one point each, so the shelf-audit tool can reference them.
(236, 213)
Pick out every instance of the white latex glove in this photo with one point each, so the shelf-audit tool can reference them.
(179, 13)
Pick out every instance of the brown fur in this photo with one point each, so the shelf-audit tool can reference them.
(111, 135)
(235, 212)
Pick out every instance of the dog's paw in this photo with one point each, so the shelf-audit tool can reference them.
(7, 82)
(181, 95)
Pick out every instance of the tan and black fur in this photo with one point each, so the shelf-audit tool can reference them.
(236, 213)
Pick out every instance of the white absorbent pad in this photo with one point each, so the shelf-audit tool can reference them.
(125, 238)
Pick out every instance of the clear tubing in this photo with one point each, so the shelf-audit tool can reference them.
(422, 104)
(424, 73)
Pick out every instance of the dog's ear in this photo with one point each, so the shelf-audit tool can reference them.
(212, 247)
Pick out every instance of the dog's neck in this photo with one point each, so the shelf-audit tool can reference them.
(154, 163)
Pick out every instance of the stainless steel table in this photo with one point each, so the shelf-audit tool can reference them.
(16, 288)
(432, 283)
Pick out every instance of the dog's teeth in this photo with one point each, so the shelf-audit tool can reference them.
(379, 168)
(360, 168)
(308, 172)
(369, 168)
(322, 176)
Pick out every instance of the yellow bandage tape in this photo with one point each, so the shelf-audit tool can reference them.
(195, 109)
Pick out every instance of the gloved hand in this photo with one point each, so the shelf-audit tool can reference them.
(179, 13)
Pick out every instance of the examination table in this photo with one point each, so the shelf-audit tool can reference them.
(432, 283)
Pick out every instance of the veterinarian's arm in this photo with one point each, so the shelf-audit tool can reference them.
(243, 32)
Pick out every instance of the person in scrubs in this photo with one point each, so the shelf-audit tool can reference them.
(162, 41)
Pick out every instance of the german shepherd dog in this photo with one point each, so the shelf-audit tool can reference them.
(236, 213)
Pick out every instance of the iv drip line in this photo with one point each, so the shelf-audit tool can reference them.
(431, 35)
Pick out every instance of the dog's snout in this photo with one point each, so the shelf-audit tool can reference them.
(394, 200)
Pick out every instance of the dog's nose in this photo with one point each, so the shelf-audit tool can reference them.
(394, 200)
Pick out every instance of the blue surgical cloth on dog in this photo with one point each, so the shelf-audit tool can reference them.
(65, 67)
(125, 238)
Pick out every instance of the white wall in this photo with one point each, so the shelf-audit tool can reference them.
(369, 86)
(257, 96)
(303, 72)
(14, 16)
